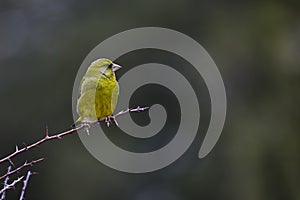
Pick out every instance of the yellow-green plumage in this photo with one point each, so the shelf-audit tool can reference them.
(99, 91)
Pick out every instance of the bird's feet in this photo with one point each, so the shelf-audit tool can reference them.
(110, 119)
(86, 127)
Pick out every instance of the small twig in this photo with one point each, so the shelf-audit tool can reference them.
(26, 164)
(25, 183)
(137, 109)
(11, 162)
(5, 183)
(12, 185)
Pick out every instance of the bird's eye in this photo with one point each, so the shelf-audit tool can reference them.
(110, 65)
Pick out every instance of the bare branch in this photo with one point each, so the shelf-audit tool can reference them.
(11, 185)
(128, 110)
(36, 144)
(25, 183)
(26, 164)
(108, 119)
(5, 183)
(62, 134)
(18, 151)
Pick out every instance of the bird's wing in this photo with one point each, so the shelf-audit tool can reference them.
(115, 95)
(88, 86)
(88, 83)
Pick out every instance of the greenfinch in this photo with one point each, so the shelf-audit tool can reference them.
(99, 92)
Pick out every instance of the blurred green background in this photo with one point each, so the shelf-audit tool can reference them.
(256, 46)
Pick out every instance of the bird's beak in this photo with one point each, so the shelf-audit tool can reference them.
(116, 67)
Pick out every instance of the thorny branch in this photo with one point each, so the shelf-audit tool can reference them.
(5, 183)
(11, 185)
(36, 144)
(128, 110)
(18, 151)
(25, 183)
(60, 135)
(26, 164)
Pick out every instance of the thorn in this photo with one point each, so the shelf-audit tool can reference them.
(115, 120)
(11, 162)
(47, 131)
(25, 145)
(17, 149)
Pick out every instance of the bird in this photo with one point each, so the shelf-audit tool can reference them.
(99, 91)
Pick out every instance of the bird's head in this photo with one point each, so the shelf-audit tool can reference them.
(104, 67)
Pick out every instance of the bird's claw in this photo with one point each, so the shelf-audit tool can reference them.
(87, 127)
(109, 119)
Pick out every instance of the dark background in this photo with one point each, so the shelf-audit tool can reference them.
(256, 47)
